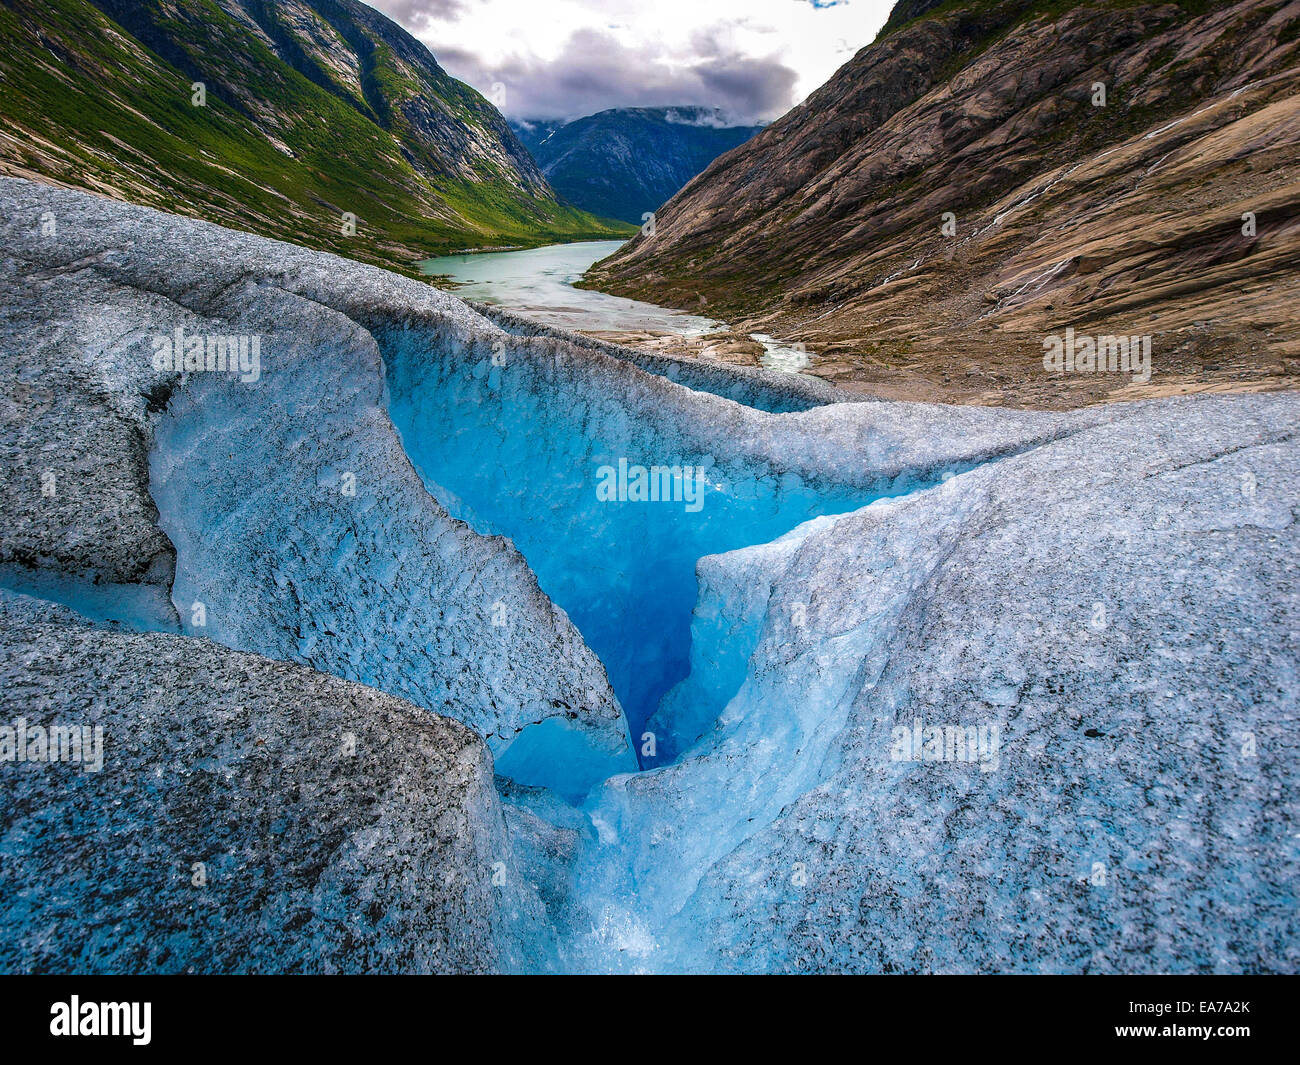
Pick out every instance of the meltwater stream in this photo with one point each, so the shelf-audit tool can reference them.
(539, 283)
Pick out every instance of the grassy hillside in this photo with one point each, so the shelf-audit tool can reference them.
(313, 108)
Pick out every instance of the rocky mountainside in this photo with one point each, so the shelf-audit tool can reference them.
(626, 161)
(309, 110)
(986, 175)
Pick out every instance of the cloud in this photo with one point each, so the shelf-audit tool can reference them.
(594, 71)
(419, 14)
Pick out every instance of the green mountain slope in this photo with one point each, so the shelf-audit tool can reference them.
(313, 109)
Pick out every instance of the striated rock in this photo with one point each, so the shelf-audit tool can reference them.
(1127, 218)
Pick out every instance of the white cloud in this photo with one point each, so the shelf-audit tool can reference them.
(564, 58)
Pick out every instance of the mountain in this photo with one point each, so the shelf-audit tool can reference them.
(312, 108)
(532, 134)
(626, 161)
(1169, 206)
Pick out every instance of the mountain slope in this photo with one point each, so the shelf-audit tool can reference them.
(624, 162)
(1121, 218)
(313, 108)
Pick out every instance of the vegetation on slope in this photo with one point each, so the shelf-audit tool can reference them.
(313, 109)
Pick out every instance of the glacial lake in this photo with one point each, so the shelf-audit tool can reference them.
(538, 283)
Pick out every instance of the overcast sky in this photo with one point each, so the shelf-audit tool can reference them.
(754, 59)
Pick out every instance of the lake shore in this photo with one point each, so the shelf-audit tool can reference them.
(988, 368)
(976, 372)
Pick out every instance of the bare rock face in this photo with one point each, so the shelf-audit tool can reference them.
(982, 176)
(240, 815)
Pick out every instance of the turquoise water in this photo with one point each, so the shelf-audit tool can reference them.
(538, 283)
(518, 450)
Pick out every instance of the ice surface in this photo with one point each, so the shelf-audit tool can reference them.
(1113, 590)
(1132, 635)
(249, 816)
(515, 449)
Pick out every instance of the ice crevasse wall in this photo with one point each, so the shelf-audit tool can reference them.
(405, 499)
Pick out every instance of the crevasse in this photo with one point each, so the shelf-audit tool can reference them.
(515, 444)
(672, 599)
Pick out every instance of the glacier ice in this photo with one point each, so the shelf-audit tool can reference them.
(513, 443)
(405, 502)
(251, 816)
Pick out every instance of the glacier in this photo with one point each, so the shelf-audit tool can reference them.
(612, 737)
